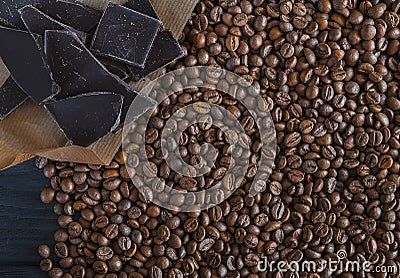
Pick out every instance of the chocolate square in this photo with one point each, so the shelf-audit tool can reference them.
(125, 35)
(164, 51)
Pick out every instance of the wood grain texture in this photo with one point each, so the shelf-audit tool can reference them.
(25, 222)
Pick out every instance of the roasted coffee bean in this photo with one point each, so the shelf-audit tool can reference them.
(175, 273)
(155, 272)
(188, 183)
(101, 222)
(111, 231)
(201, 22)
(124, 243)
(206, 244)
(47, 195)
(78, 271)
(56, 273)
(292, 139)
(287, 50)
(74, 229)
(46, 264)
(44, 251)
(251, 240)
(104, 253)
(300, 22)
(370, 245)
(261, 219)
(61, 250)
(191, 225)
(321, 229)
(163, 233)
(100, 267)
(275, 188)
(278, 211)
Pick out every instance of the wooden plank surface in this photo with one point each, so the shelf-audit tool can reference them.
(25, 222)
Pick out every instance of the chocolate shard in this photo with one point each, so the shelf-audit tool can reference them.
(74, 14)
(23, 55)
(117, 68)
(38, 22)
(4, 22)
(122, 74)
(86, 118)
(78, 71)
(9, 14)
(142, 6)
(11, 97)
(125, 35)
(164, 51)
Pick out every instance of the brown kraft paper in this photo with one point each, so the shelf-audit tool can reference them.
(30, 131)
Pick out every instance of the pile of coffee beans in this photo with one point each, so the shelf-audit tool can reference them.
(329, 69)
(216, 137)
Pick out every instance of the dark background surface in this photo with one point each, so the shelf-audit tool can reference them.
(25, 222)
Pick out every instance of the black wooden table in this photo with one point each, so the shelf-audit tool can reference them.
(25, 222)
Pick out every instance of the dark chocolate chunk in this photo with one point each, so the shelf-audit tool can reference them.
(9, 14)
(86, 118)
(70, 12)
(117, 68)
(164, 51)
(74, 14)
(23, 55)
(142, 6)
(123, 75)
(11, 97)
(78, 71)
(38, 22)
(4, 22)
(125, 35)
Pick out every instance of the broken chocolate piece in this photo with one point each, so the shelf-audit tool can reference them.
(4, 22)
(74, 14)
(11, 97)
(38, 22)
(123, 75)
(70, 12)
(142, 6)
(23, 55)
(125, 35)
(9, 14)
(164, 51)
(117, 68)
(78, 71)
(86, 118)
